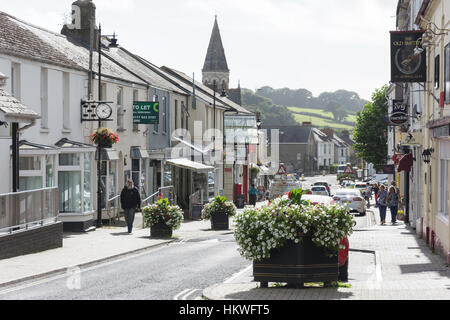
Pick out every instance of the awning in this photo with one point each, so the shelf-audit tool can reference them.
(108, 155)
(138, 153)
(190, 165)
(405, 163)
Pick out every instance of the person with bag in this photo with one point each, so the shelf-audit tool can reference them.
(393, 200)
(382, 203)
(130, 199)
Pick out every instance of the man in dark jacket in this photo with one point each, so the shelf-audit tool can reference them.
(130, 200)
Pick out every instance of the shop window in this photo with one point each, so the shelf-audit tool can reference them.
(29, 163)
(87, 194)
(69, 159)
(69, 183)
(49, 171)
(30, 183)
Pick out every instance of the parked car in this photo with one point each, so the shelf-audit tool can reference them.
(352, 199)
(319, 190)
(361, 187)
(322, 183)
(318, 199)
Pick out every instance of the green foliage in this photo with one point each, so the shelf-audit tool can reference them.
(370, 133)
(162, 210)
(219, 205)
(296, 197)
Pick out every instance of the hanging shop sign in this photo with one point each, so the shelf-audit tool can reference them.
(407, 65)
(145, 112)
(399, 113)
(411, 139)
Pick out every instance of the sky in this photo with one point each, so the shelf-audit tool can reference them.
(321, 46)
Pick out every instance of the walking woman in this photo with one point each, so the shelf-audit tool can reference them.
(393, 200)
(382, 203)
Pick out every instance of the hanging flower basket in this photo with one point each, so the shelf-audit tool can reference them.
(104, 137)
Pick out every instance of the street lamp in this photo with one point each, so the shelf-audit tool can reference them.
(426, 155)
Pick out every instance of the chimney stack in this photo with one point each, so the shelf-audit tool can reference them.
(328, 132)
(83, 15)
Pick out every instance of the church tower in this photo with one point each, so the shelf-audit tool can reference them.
(215, 68)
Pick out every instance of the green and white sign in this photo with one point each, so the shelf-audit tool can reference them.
(145, 112)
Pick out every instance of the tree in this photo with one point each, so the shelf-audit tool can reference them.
(370, 133)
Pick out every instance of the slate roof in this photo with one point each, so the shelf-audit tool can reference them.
(290, 134)
(321, 136)
(11, 107)
(140, 68)
(215, 57)
(21, 39)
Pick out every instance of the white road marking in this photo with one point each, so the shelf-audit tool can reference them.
(237, 275)
(180, 294)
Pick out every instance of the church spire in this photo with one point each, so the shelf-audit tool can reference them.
(215, 57)
(215, 70)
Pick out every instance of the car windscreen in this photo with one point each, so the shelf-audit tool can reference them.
(347, 194)
(318, 189)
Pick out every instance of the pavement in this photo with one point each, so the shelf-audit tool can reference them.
(386, 263)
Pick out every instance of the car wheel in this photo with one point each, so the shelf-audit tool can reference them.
(363, 214)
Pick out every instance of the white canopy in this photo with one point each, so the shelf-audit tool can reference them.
(191, 165)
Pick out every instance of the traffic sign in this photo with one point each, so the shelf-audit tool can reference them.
(349, 169)
(282, 170)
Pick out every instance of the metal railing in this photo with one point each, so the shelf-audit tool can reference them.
(112, 209)
(27, 209)
(164, 192)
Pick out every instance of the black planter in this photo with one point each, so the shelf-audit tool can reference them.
(220, 221)
(105, 144)
(296, 264)
(160, 230)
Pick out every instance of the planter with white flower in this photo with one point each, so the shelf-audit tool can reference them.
(162, 218)
(219, 211)
(292, 241)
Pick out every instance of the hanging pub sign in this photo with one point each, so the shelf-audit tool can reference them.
(145, 112)
(399, 113)
(407, 64)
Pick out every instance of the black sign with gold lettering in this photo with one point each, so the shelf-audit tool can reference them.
(408, 64)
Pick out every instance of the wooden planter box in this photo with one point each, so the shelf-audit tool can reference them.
(296, 264)
(220, 221)
(160, 230)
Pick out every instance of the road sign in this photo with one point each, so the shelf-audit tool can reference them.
(145, 112)
(349, 169)
(282, 170)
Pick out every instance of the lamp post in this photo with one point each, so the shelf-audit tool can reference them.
(99, 147)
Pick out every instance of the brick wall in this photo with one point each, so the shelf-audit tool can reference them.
(31, 241)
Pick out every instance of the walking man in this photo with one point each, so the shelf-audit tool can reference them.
(253, 194)
(130, 200)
